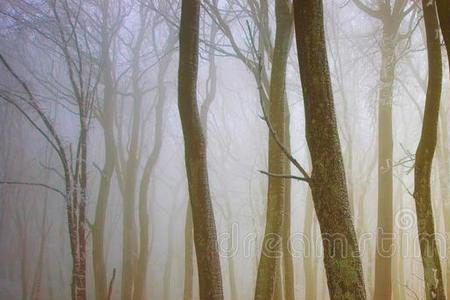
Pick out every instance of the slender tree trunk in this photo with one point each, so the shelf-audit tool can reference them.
(434, 286)
(308, 260)
(107, 122)
(205, 236)
(37, 278)
(188, 255)
(80, 290)
(288, 266)
(443, 7)
(383, 256)
(444, 180)
(231, 268)
(130, 234)
(272, 248)
(168, 266)
(328, 184)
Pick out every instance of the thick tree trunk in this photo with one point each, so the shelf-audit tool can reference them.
(328, 184)
(276, 194)
(205, 236)
(434, 286)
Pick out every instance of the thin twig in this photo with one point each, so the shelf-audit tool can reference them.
(35, 184)
(111, 283)
(272, 131)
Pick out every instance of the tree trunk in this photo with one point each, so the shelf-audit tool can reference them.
(188, 255)
(443, 7)
(107, 122)
(276, 195)
(383, 256)
(205, 236)
(434, 286)
(444, 173)
(328, 184)
(309, 257)
(288, 266)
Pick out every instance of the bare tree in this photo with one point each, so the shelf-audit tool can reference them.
(391, 14)
(276, 191)
(434, 286)
(328, 185)
(205, 236)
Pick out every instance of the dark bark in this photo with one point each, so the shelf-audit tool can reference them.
(434, 286)
(443, 7)
(272, 248)
(205, 236)
(328, 184)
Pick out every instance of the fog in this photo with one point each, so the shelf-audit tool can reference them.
(94, 177)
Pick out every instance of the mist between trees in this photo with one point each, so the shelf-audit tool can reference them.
(224, 149)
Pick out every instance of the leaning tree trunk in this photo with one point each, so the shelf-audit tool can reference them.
(328, 184)
(270, 256)
(205, 236)
(434, 286)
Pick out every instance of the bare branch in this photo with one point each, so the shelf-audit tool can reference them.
(284, 176)
(34, 184)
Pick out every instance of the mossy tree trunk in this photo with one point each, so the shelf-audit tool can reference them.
(328, 184)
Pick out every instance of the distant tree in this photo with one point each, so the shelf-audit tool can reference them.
(391, 15)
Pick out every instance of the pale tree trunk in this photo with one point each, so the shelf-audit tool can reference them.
(434, 286)
(398, 271)
(443, 158)
(37, 278)
(309, 266)
(129, 177)
(272, 248)
(391, 16)
(205, 236)
(328, 184)
(170, 256)
(107, 122)
(144, 223)
(383, 256)
(288, 265)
